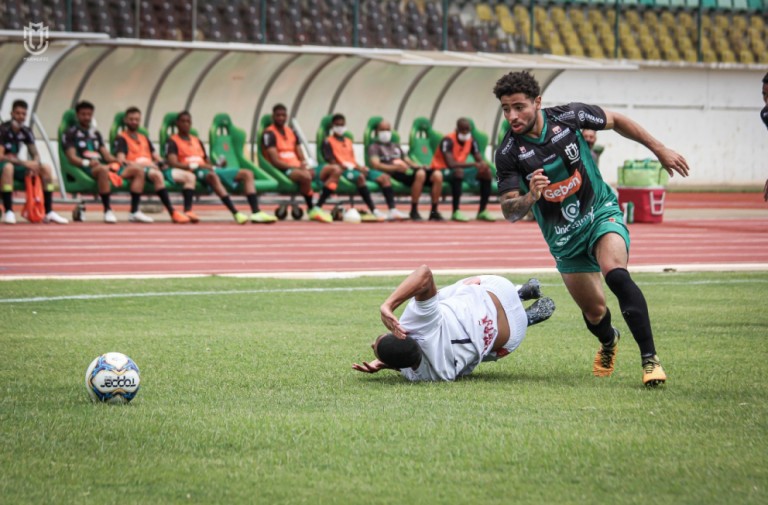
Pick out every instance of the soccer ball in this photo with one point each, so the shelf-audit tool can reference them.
(112, 378)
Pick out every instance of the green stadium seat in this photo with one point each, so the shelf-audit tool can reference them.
(740, 5)
(227, 144)
(756, 5)
(662, 3)
(725, 4)
(346, 187)
(369, 137)
(422, 141)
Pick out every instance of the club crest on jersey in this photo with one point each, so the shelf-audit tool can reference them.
(556, 129)
(559, 191)
(522, 149)
(572, 151)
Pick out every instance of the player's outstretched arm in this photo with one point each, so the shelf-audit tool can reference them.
(419, 284)
(626, 127)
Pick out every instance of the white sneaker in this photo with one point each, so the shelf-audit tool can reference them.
(396, 215)
(52, 217)
(109, 217)
(379, 215)
(9, 217)
(139, 217)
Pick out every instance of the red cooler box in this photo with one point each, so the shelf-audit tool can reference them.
(648, 203)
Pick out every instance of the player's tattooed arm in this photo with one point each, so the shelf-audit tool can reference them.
(515, 207)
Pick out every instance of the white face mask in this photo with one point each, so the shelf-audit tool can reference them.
(339, 130)
(463, 137)
(15, 123)
(385, 136)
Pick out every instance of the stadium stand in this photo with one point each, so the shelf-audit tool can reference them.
(734, 30)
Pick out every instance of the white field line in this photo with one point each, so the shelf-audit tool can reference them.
(163, 294)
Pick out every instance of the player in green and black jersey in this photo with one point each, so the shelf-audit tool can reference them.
(544, 164)
(13, 134)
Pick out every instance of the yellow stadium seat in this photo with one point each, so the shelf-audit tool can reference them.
(508, 25)
(484, 12)
(746, 56)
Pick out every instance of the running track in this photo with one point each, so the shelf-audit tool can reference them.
(304, 249)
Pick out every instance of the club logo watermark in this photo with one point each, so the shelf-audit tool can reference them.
(35, 40)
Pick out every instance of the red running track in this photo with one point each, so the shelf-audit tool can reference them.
(306, 249)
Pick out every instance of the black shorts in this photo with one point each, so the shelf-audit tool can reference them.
(407, 179)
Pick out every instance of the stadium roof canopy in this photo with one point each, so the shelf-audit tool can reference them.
(246, 80)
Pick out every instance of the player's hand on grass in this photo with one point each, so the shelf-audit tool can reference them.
(372, 367)
(539, 181)
(673, 162)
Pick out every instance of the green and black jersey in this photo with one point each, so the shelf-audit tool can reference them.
(577, 196)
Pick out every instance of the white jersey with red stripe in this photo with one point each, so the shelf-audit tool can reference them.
(456, 328)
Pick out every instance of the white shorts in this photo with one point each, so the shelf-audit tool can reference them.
(506, 292)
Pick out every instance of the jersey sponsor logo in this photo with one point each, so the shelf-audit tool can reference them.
(572, 151)
(560, 135)
(526, 155)
(489, 332)
(574, 225)
(561, 190)
(556, 129)
(566, 115)
(584, 116)
(507, 146)
(549, 158)
(522, 149)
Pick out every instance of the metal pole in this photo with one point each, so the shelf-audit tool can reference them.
(616, 31)
(194, 20)
(445, 25)
(69, 16)
(530, 35)
(699, 53)
(263, 21)
(137, 15)
(355, 34)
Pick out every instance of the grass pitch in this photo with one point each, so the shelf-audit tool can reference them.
(248, 396)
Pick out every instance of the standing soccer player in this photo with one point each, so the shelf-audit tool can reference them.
(545, 165)
(764, 117)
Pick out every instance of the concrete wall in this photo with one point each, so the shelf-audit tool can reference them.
(711, 116)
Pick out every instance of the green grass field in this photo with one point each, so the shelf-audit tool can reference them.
(248, 396)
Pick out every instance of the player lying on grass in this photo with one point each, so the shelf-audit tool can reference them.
(445, 334)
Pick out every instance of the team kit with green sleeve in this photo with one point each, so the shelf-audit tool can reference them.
(578, 207)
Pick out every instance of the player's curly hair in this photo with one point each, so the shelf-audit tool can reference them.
(517, 82)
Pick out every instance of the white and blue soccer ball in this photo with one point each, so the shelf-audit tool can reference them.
(112, 378)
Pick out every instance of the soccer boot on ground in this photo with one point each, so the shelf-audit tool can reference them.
(531, 290)
(653, 374)
(9, 217)
(540, 310)
(415, 216)
(486, 216)
(436, 216)
(179, 218)
(53, 217)
(459, 216)
(319, 215)
(396, 215)
(605, 359)
(193, 218)
(109, 217)
(262, 217)
(139, 217)
(240, 218)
